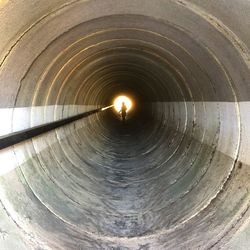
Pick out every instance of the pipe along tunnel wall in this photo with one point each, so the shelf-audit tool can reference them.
(176, 175)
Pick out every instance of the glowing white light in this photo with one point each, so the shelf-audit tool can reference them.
(119, 100)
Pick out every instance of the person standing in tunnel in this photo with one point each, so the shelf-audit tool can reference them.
(123, 111)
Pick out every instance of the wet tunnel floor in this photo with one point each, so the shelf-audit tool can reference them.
(115, 185)
(111, 183)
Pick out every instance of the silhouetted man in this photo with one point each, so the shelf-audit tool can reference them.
(123, 111)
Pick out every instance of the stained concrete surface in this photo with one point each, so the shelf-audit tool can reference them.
(176, 175)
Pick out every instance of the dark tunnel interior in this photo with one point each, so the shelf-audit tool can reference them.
(171, 176)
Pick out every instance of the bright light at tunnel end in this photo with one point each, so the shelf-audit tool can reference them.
(118, 103)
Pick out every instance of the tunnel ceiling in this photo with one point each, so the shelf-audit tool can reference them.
(175, 175)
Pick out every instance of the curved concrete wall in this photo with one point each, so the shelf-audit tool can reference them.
(176, 176)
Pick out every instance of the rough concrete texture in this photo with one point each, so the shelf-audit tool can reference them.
(176, 175)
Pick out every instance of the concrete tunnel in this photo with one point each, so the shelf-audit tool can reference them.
(176, 175)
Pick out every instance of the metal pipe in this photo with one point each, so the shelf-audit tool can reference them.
(176, 174)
